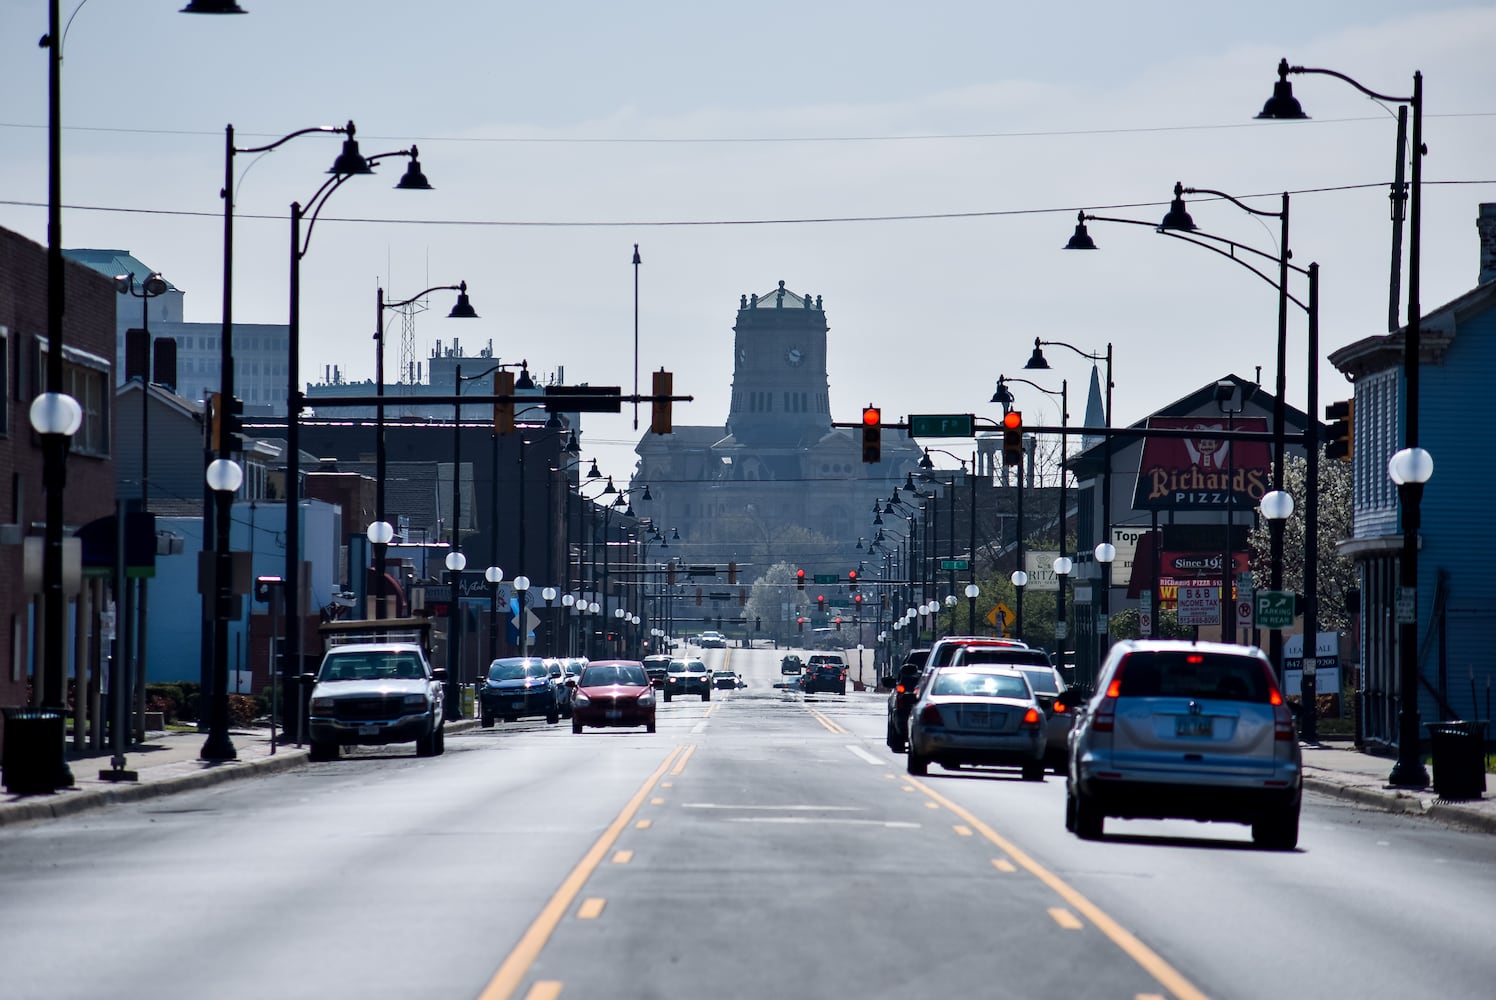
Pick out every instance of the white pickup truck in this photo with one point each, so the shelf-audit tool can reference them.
(372, 693)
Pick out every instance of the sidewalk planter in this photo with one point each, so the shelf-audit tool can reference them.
(1459, 759)
(35, 756)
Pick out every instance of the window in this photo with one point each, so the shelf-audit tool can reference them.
(4, 380)
(89, 387)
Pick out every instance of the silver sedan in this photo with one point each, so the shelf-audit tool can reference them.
(977, 715)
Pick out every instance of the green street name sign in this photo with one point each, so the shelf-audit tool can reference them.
(954, 564)
(942, 425)
(827, 578)
(1274, 608)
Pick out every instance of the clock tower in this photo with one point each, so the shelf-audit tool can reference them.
(779, 383)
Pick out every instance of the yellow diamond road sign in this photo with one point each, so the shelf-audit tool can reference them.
(1000, 609)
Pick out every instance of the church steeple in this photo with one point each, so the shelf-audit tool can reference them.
(780, 391)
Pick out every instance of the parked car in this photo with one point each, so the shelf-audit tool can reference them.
(613, 693)
(373, 694)
(976, 714)
(725, 680)
(1186, 730)
(1047, 684)
(688, 677)
(657, 667)
(901, 697)
(518, 687)
(824, 672)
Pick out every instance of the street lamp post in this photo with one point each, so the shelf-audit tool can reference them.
(1409, 469)
(224, 477)
(1019, 580)
(1064, 394)
(1062, 567)
(1277, 507)
(521, 590)
(1409, 771)
(972, 593)
(380, 534)
(1106, 552)
(456, 562)
(568, 602)
(495, 576)
(548, 594)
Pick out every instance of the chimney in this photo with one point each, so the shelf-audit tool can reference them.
(1485, 224)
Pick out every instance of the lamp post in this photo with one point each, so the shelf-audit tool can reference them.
(456, 562)
(1408, 772)
(1062, 567)
(1037, 361)
(463, 309)
(495, 576)
(1105, 553)
(972, 593)
(380, 534)
(1277, 507)
(521, 589)
(1409, 469)
(1019, 580)
(1064, 394)
(568, 603)
(593, 610)
(224, 477)
(548, 594)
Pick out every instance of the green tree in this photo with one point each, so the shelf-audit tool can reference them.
(1337, 574)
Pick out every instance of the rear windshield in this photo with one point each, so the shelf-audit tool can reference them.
(978, 684)
(1193, 674)
(944, 653)
(1002, 654)
(602, 676)
(1042, 681)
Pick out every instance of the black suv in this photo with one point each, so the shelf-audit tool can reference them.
(657, 668)
(824, 672)
(688, 677)
(905, 684)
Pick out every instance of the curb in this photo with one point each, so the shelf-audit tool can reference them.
(1407, 803)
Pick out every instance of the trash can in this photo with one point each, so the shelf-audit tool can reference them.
(1459, 758)
(35, 755)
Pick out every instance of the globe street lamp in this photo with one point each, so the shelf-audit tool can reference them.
(1409, 469)
(1019, 580)
(456, 563)
(1062, 568)
(1277, 507)
(1105, 553)
(224, 477)
(548, 594)
(380, 533)
(521, 588)
(495, 576)
(568, 602)
(972, 593)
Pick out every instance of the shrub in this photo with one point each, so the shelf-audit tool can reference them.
(242, 710)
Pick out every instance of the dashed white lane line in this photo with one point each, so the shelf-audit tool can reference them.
(857, 751)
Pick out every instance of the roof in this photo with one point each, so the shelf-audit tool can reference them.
(779, 298)
(112, 263)
(1436, 332)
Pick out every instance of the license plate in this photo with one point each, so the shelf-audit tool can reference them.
(518, 703)
(368, 730)
(614, 714)
(1193, 725)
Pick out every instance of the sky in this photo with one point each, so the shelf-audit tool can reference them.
(918, 170)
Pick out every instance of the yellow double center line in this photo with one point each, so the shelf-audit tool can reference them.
(827, 723)
(519, 960)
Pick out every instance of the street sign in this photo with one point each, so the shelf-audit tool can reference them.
(826, 578)
(1274, 608)
(1407, 605)
(955, 425)
(583, 398)
(954, 564)
(1199, 606)
(1001, 610)
(531, 621)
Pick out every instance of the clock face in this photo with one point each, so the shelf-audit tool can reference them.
(742, 355)
(794, 356)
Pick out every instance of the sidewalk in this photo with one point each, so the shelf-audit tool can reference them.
(168, 762)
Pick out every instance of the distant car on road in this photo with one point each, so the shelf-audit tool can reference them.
(1186, 730)
(657, 667)
(824, 672)
(518, 687)
(1047, 684)
(688, 677)
(724, 680)
(373, 694)
(904, 685)
(613, 693)
(712, 640)
(791, 665)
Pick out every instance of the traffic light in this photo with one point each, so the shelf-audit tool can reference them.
(852, 580)
(820, 602)
(1340, 442)
(838, 623)
(732, 572)
(659, 408)
(758, 623)
(872, 434)
(225, 423)
(800, 624)
(503, 411)
(1013, 438)
(799, 579)
(857, 600)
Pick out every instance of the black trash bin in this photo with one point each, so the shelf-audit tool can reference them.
(1459, 753)
(35, 751)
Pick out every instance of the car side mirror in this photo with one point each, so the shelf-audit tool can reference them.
(439, 673)
(571, 682)
(308, 679)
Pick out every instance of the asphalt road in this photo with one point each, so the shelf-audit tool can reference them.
(760, 844)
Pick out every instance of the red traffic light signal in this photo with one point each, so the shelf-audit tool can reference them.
(799, 579)
(1013, 438)
(820, 602)
(872, 434)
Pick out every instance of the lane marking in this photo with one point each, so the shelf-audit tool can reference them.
(545, 989)
(667, 784)
(592, 908)
(680, 765)
(699, 728)
(643, 824)
(517, 963)
(1149, 996)
(656, 801)
(623, 857)
(891, 777)
(857, 751)
(829, 724)
(962, 831)
(1065, 918)
(1167, 976)
(719, 805)
(1003, 865)
(805, 820)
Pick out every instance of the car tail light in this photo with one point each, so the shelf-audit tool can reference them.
(1106, 712)
(1030, 719)
(1283, 730)
(900, 689)
(930, 716)
(1060, 707)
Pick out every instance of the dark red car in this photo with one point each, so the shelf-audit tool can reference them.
(613, 693)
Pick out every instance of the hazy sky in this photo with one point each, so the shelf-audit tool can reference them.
(739, 145)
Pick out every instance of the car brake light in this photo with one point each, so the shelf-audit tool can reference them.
(1059, 707)
(1105, 719)
(930, 716)
(1194, 658)
(1282, 722)
(1030, 719)
(900, 689)
(1114, 689)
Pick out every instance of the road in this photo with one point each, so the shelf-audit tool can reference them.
(761, 844)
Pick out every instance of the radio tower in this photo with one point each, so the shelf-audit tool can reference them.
(407, 372)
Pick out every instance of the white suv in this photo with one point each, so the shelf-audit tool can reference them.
(1186, 730)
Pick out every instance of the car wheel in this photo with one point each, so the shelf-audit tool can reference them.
(842, 689)
(706, 696)
(553, 717)
(1089, 821)
(440, 742)
(1278, 832)
(1069, 811)
(576, 724)
(649, 726)
(426, 746)
(486, 721)
(667, 696)
(917, 764)
(318, 750)
(1034, 771)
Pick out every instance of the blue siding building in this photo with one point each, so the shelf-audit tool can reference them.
(1457, 545)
